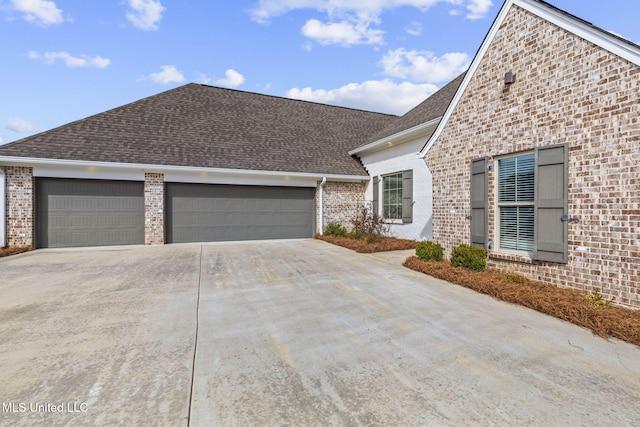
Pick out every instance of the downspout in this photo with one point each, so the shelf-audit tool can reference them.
(3, 207)
(320, 222)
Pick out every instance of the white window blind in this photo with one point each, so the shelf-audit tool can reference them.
(516, 196)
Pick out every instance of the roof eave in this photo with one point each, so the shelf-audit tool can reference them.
(397, 138)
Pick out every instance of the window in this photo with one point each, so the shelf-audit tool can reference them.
(516, 196)
(531, 203)
(392, 196)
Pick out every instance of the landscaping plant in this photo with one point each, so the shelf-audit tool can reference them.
(471, 257)
(429, 251)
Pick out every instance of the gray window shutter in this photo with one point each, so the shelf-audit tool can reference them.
(407, 196)
(479, 202)
(376, 207)
(551, 204)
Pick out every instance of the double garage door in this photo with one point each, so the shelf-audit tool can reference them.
(74, 212)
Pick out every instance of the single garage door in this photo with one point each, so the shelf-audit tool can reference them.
(211, 213)
(77, 212)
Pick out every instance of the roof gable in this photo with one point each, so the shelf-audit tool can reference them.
(608, 41)
(202, 126)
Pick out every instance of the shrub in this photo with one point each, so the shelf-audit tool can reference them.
(596, 300)
(471, 257)
(515, 278)
(368, 225)
(429, 251)
(335, 229)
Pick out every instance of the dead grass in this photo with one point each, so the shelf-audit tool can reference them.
(361, 246)
(567, 304)
(13, 251)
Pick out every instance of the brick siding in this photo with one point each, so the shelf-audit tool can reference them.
(153, 209)
(19, 206)
(341, 202)
(568, 90)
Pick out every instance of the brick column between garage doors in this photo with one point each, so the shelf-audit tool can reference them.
(19, 206)
(153, 209)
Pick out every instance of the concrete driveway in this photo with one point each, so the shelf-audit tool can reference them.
(287, 333)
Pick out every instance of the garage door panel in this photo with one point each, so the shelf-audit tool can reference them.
(201, 212)
(73, 213)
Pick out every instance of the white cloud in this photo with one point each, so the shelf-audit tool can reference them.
(70, 61)
(169, 74)
(20, 125)
(422, 66)
(145, 14)
(478, 8)
(350, 21)
(343, 33)
(374, 95)
(233, 79)
(264, 10)
(41, 12)
(415, 29)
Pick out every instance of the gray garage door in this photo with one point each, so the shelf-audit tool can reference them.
(76, 212)
(210, 213)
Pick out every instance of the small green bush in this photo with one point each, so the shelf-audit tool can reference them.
(515, 278)
(429, 251)
(335, 229)
(471, 257)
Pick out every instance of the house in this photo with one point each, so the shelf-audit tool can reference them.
(196, 163)
(537, 158)
(533, 153)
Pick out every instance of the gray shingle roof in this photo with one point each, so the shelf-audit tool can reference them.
(431, 108)
(203, 126)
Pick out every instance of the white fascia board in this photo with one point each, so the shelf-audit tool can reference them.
(572, 25)
(582, 29)
(397, 138)
(3, 210)
(134, 171)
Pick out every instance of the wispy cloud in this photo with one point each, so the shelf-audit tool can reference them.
(20, 126)
(168, 75)
(415, 29)
(343, 33)
(423, 66)
(39, 12)
(70, 61)
(145, 14)
(352, 21)
(233, 79)
(374, 95)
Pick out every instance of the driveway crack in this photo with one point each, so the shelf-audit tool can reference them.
(195, 343)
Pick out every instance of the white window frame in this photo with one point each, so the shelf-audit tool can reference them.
(382, 198)
(498, 205)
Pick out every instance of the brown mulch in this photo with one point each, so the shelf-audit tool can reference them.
(13, 251)
(360, 246)
(567, 304)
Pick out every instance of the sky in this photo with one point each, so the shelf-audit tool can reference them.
(63, 60)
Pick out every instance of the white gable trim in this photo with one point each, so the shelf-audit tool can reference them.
(580, 28)
(397, 138)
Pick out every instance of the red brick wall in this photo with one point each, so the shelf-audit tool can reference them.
(568, 90)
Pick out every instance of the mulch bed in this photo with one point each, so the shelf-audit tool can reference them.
(567, 304)
(13, 251)
(360, 246)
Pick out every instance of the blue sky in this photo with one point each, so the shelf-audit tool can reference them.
(62, 60)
